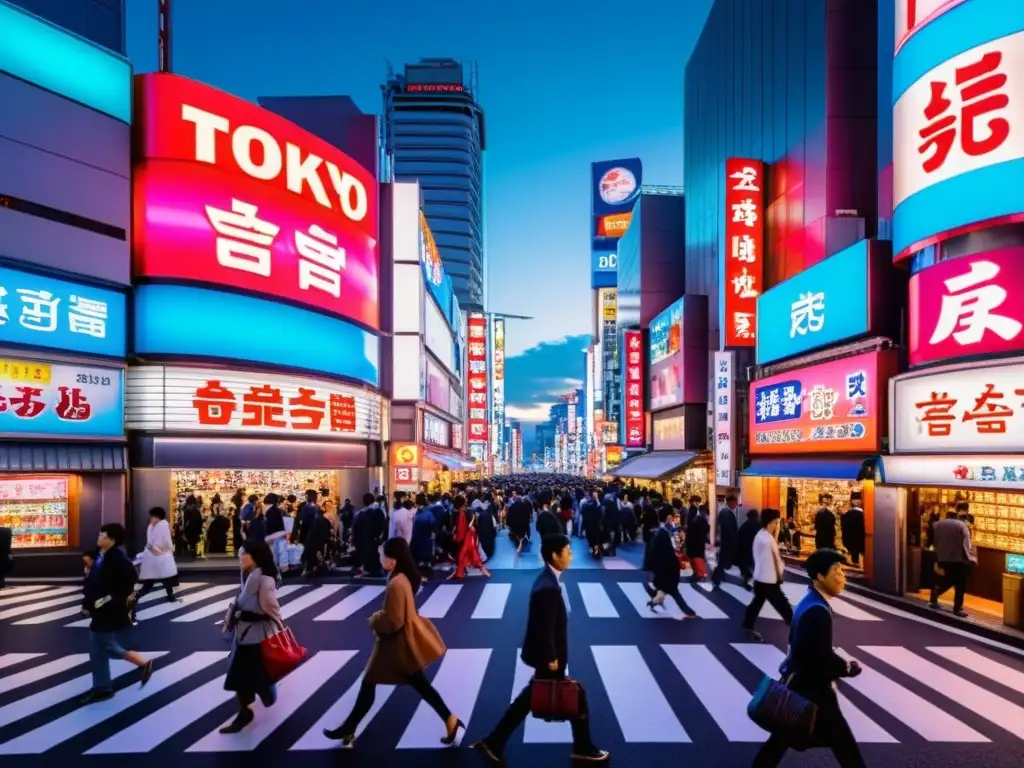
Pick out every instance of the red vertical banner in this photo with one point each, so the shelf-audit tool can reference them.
(744, 249)
(476, 379)
(635, 431)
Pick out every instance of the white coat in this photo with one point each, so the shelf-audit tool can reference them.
(158, 557)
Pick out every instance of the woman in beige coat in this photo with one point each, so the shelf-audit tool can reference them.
(406, 644)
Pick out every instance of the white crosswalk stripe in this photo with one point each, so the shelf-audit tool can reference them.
(596, 601)
(74, 610)
(8, 591)
(31, 596)
(351, 604)
(648, 707)
(492, 601)
(13, 659)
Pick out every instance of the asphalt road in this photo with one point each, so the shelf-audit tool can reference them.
(660, 689)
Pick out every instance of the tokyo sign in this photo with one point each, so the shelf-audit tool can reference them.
(476, 379)
(968, 306)
(973, 410)
(744, 242)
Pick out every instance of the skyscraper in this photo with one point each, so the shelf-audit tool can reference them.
(101, 21)
(434, 134)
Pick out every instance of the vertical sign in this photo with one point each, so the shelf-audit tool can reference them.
(498, 392)
(744, 240)
(476, 381)
(724, 407)
(608, 302)
(635, 437)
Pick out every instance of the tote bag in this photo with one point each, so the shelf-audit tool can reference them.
(281, 654)
(777, 709)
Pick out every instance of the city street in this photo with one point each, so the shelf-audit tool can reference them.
(660, 689)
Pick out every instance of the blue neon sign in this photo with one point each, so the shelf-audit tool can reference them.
(57, 314)
(822, 305)
(179, 320)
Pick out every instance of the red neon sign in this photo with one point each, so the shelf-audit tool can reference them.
(635, 428)
(434, 88)
(744, 243)
(476, 378)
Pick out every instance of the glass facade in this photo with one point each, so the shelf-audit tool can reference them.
(792, 83)
(101, 21)
(434, 134)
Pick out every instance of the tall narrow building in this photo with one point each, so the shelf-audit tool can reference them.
(434, 134)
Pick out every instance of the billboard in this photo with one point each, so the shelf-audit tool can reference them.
(436, 431)
(634, 421)
(183, 399)
(498, 390)
(607, 304)
(438, 283)
(438, 336)
(669, 430)
(825, 304)
(476, 384)
(958, 121)
(744, 249)
(57, 314)
(666, 357)
(724, 416)
(229, 194)
(40, 399)
(604, 269)
(616, 188)
(193, 322)
(977, 410)
(833, 407)
(967, 306)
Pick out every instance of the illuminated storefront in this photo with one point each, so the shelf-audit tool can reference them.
(239, 262)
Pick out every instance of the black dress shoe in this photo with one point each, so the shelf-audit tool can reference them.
(592, 755)
(489, 752)
(94, 696)
(242, 719)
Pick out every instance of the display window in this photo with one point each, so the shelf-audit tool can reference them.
(799, 504)
(692, 481)
(40, 510)
(206, 483)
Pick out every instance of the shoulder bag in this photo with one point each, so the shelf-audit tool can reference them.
(778, 709)
(555, 700)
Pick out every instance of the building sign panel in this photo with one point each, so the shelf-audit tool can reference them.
(833, 407)
(180, 399)
(498, 389)
(40, 399)
(436, 431)
(634, 400)
(669, 431)
(724, 418)
(966, 410)
(968, 306)
(666, 357)
(744, 244)
(822, 305)
(476, 382)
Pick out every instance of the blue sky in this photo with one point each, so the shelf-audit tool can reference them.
(562, 84)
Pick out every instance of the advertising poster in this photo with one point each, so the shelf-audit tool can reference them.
(227, 193)
(744, 244)
(724, 419)
(669, 430)
(66, 401)
(967, 307)
(634, 378)
(405, 465)
(439, 391)
(823, 305)
(610, 374)
(181, 399)
(436, 431)
(57, 314)
(828, 408)
(666, 357)
(438, 283)
(616, 188)
(958, 120)
(498, 376)
(976, 410)
(476, 385)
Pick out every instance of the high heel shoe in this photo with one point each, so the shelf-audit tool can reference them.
(650, 604)
(453, 733)
(337, 734)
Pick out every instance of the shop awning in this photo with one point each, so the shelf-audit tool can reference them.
(852, 468)
(452, 462)
(62, 457)
(654, 465)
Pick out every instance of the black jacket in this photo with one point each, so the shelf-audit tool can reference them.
(697, 533)
(728, 533)
(661, 560)
(548, 524)
(825, 529)
(745, 543)
(518, 517)
(111, 582)
(546, 638)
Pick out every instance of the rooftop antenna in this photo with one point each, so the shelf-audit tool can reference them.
(163, 32)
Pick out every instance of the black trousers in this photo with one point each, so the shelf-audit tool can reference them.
(724, 563)
(519, 710)
(368, 692)
(674, 594)
(772, 594)
(831, 730)
(954, 575)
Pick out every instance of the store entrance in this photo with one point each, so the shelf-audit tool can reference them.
(799, 502)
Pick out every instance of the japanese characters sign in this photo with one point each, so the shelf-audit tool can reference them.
(958, 125)
(498, 388)
(822, 305)
(962, 410)
(46, 400)
(56, 314)
(828, 408)
(173, 399)
(744, 242)
(912, 15)
(724, 414)
(995, 472)
(476, 380)
(436, 431)
(973, 305)
(633, 410)
(230, 194)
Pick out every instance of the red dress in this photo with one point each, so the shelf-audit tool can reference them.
(469, 553)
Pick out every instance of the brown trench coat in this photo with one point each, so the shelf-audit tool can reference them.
(406, 642)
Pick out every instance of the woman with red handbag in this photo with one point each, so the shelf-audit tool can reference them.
(405, 645)
(252, 618)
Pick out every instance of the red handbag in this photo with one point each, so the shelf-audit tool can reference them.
(281, 654)
(555, 700)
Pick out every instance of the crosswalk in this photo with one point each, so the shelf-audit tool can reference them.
(475, 600)
(661, 694)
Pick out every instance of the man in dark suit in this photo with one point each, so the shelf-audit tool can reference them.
(728, 542)
(546, 650)
(812, 667)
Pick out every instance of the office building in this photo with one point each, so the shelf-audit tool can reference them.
(434, 134)
(101, 21)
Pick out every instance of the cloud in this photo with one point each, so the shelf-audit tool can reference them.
(537, 378)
